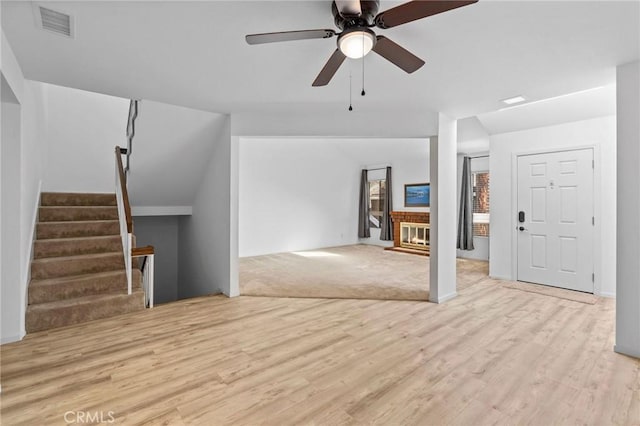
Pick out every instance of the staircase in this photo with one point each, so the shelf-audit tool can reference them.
(78, 272)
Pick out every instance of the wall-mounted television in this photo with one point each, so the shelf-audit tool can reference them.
(417, 195)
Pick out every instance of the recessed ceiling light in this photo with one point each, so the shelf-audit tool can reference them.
(514, 100)
(550, 99)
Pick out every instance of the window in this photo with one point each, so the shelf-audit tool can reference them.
(377, 193)
(480, 182)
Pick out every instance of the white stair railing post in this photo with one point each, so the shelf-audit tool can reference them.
(125, 235)
(148, 269)
(128, 261)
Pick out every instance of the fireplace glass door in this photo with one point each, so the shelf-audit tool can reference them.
(414, 235)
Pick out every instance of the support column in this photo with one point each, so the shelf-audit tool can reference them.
(628, 211)
(443, 214)
(234, 277)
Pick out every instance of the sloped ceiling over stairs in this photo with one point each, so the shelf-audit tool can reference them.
(171, 150)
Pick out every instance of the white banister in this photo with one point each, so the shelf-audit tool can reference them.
(124, 217)
(148, 268)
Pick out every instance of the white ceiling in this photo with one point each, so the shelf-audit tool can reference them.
(194, 54)
(596, 102)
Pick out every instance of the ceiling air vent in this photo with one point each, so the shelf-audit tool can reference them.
(56, 22)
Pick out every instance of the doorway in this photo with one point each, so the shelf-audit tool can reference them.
(555, 219)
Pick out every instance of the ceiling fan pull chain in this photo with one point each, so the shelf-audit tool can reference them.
(363, 55)
(350, 107)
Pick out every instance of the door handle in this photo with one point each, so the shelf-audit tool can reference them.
(522, 228)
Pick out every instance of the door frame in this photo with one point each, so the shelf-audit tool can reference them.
(597, 208)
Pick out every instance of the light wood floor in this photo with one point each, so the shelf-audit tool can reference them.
(353, 272)
(493, 355)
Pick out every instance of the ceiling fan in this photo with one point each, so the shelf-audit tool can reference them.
(356, 18)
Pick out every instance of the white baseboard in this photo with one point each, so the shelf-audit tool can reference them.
(607, 294)
(627, 351)
(497, 277)
(234, 293)
(12, 338)
(444, 298)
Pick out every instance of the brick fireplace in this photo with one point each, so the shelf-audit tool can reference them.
(410, 219)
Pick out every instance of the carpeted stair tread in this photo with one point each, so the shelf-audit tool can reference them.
(54, 267)
(76, 213)
(52, 289)
(52, 281)
(78, 272)
(85, 300)
(56, 247)
(44, 316)
(73, 229)
(77, 199)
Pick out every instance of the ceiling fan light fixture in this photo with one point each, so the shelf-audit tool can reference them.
(356, 44)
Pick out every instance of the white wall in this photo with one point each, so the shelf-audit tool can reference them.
(296, 194)
(161, 232)
(371, 122)
(34, 156)
(12, 288)
(415, 170)
(628, 211)
(480, 244)
(83, 129)
(205, 239)
(171, 150)
(27, 154)
(599, 133)
(302, 193)
(404, 170)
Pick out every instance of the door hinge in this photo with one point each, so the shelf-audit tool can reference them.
(593, 278)
(593, 220)
(593, 164)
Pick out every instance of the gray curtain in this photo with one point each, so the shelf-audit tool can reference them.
(386, 228)
(363, 216)
(465, 218)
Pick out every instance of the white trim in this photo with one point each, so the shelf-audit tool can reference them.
(606, 294)
(12, 338)
(445, 298)
(26, 272)
(497, 277)
(161, 210)
(626, 351)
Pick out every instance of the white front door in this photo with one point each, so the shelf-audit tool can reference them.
(555, 219)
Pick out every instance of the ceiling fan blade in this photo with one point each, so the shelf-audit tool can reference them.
(288, 36)
(349, 7)
(397, 54)
(329, 69)
(415, 10)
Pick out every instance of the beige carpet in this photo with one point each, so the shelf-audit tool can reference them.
(355, 272)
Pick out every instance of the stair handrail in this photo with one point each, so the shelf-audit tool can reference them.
(131, 131)
(124, 214)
